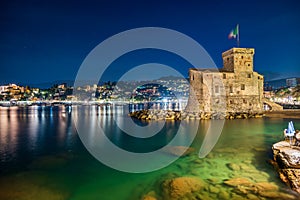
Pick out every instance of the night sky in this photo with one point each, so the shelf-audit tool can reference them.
(44, 41)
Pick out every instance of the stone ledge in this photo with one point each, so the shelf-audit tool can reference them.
(287, 163)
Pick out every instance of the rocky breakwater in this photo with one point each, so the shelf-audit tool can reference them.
(183, 115)
(287, 163)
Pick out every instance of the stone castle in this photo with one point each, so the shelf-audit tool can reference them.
(235, 88)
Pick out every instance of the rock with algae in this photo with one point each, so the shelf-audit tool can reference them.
(179, 188)
(246, 187)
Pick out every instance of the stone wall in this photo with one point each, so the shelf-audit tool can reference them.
(238, 59)
(235, 88)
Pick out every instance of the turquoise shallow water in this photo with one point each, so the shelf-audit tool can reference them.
(42, 157)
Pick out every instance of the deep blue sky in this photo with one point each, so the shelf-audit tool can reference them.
(42, 41)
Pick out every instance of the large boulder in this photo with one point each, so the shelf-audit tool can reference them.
(177, 188)
(288, 156)
(287, 162)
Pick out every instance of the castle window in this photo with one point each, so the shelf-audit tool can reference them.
(248, 65)
(216, 89)
(231, 89)
(249, 75)
(242, 57)
(193, 77)
(231, 101)
(244, 101)
(243, 87)
(224, 76)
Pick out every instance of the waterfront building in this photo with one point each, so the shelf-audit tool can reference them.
(234, 88)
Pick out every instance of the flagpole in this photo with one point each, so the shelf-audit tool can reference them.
(238, 35)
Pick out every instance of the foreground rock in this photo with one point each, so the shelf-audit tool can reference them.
(287, 163)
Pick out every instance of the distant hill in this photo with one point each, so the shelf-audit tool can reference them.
(46, 85)
(275, 84)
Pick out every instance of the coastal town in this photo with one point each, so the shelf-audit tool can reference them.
(286, 94)
(109, 91)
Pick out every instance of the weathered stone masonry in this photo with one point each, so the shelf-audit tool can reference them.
(235, 88)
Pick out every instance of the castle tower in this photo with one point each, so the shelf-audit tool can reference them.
(235, 88)
(238, 60)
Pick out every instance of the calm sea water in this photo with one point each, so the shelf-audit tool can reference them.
(42, 156)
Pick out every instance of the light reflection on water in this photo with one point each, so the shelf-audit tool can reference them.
(41, 145)
(32, 131)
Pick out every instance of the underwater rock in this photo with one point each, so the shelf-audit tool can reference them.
(252, 197)
(233, 166)
(213, 180)
(237, 181)
(270, 190)
(262, 186)
(177, 188)
(256, 176)
(276, 195)
(223, 195)
(149, 196)
(237, 197)
(213, 189)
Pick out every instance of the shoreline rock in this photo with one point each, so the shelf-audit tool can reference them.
(184, 115)
(287, 163)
